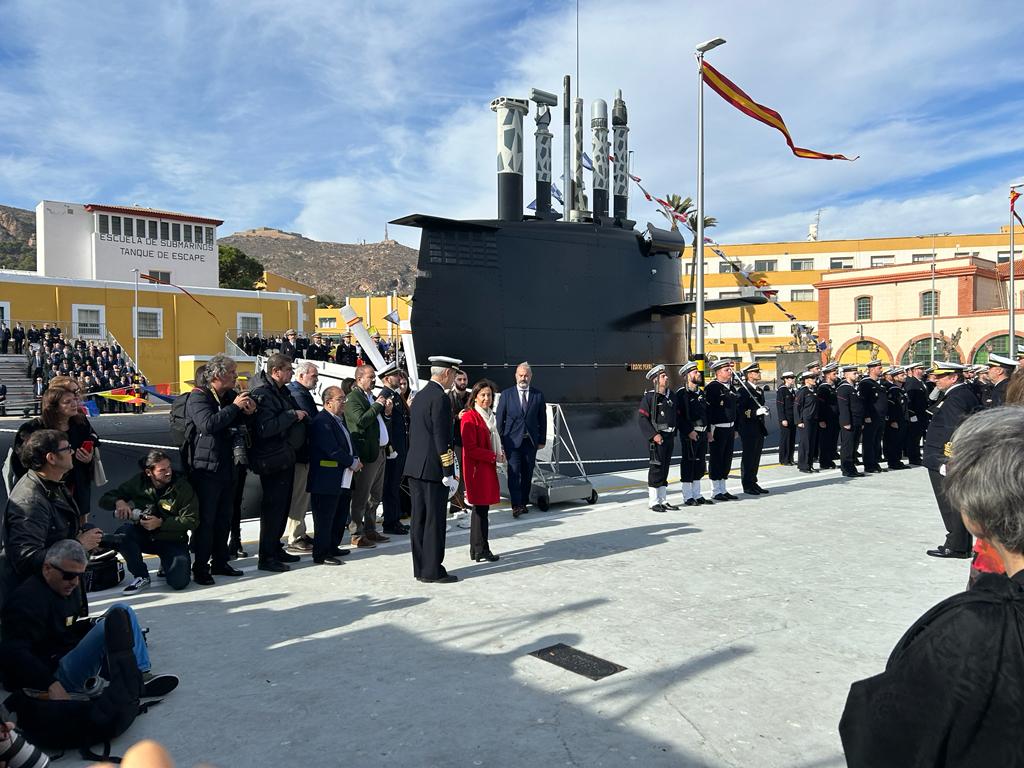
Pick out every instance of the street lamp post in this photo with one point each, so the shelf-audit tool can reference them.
(699, 266)
(931, 351)
(135, 320)
(1013, 297)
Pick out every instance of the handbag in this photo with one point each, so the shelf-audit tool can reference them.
(99, 475)
(105, 570)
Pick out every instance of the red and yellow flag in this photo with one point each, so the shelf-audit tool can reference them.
(1014, 194)
(735, 95)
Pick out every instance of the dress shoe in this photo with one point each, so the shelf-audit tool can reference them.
(828, 466)
(449, 578)
(657, 508)
(730, 497)
(944, 551)
(274, 566)
(720, 497)
(751, 491)
(336, 552)
(702, 500)
(361, 542)
(853, 474)
(669, 506)
(300, 546)
(898, 466)
(306, 539)
(485, 555)
(377, 537)
(396, 530)
(225, 570)
(285, 557)
(691, 503)
(327, 561)
(762, 491)
(203, 578)
(806, 471)
(916, 463)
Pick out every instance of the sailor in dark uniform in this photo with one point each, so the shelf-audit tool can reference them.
(692, 425)
(851, 421)
(657, 420)
(999, 372)
(814, 368)
(721, 407)
(955, 404)
(750, 413)
(897, 420)
(786, 415)
(430, 467)
(828, 416)
(973, 382)
(875, 408)
(917, 412)
(806, 405)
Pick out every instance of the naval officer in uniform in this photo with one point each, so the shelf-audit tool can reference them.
(657, 420)
(430, 467)
(851, 421)
(692, 425)
(1000, 369)
(750, 413)
(828, 416)
(787, 419)
(806, 405)
(956, 402)
(721, 406)
(875, 408)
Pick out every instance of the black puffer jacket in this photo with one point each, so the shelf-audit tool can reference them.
(209, 421)
(278, 432)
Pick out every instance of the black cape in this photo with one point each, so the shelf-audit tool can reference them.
(952, 693)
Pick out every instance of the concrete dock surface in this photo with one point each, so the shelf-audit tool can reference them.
(741, 627)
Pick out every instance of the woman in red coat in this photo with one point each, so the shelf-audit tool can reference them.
(481, 452)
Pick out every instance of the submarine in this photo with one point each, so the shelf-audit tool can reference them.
(591, 302)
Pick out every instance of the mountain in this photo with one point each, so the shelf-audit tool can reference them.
(339, 269)
(17, 238)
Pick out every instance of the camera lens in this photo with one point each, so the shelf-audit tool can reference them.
(15, 751)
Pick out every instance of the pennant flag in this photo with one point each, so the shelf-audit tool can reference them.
(587, 162)
(91, 407)
(166, 397)
(157, 280)
(733, 94)
(532, 206)
(556, 193)
(1014, 194)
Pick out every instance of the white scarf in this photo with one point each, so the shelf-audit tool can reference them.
(492, 424)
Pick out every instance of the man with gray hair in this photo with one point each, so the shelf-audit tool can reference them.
(368, 419)
(522, 422)
(301, 387)
(950, 692)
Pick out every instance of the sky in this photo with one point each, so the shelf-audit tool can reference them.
(331, 119)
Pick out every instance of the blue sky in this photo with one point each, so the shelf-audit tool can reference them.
(332, 118)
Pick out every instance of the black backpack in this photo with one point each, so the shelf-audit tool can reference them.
(180, 428)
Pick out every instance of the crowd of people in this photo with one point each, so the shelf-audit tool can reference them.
(342, 349)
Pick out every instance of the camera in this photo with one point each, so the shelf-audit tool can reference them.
(135, 515)
(239, 445)
(14, 750)
(112, 540)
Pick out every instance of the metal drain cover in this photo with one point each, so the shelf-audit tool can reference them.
(575, 660)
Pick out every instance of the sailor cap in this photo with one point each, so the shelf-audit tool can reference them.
(722, 363)
(655, 372)
(440, 361)
(690, 366)
(753, 367)
(808, 375)
(980, 368)
(388, 369)
(788, 375)
(944, 368)
(847, 368)
(912, 366)
(830, 367)
(1005, 362)
(896, 370)
(873, 364)
(813, 364)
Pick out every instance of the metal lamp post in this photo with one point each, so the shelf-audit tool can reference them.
(931, 345)
(135, 320)
(1013, 297)
(699, 266)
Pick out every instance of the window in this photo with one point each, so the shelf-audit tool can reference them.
(88, 320)
(198, 234)
(188, 233)
(115, 225)
(920, 352)
(249, 323)
(104, 225)
(766, 330)
(929, 303)
(863, 307)
(726, 268)
(152, 230)
(164, 277)
(129, 227)
(799, 265)
(765, 265)
(801, 294)
(729, 295)
(1004, 256)
(5, 312)
(328, 322)
(176, 232)
(882, 261)
(149, 323)
(209, 235)
(843, 262)
(921, 258)
(140, 227)
(999, 345)
(165, 230)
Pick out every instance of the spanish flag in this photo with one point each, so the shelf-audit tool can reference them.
(733, 94)
(1014, 194)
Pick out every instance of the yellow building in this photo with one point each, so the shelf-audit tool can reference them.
(371, 308)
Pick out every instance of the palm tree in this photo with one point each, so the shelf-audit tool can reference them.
(685, 207)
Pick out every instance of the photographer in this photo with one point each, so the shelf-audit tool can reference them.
(159, 509)
(40, 510)
(215, 429)
(280, 432)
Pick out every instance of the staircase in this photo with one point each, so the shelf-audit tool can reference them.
(19, 385)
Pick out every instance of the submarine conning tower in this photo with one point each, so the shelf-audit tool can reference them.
(510, 112)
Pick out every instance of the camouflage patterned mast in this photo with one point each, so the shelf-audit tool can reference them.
(510, 156)
(599, 126)
(620, 129)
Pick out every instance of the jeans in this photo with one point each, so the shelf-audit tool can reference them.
(174, 557)
(87, 659)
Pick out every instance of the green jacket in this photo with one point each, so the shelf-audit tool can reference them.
(176, 504)
(361, 420)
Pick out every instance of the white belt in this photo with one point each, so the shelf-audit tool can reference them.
(668, 430)
(699, 429)
(723, 426)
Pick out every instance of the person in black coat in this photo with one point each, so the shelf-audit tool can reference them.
(18, 335)
(692, 426)
(956, 403)
(288, 345)
(332, 461)
(522, 420)
(806, 406)
(5, 338)
(999, 372)
(750, 414)
(656, 417)
(851, 420)
(430, 468)
(720, 401)
(896, 420)
(875, 409)
(917, 412)
(397, 450)
(786, 412)
(828, 416)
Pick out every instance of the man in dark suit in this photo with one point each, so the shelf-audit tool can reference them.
(18, 334)
(828, 416)
(398, 449)
(301, 388)
(875, 409)
(917, 406)
(806, 405)
(851, 421)
(332, 459)
(430, 467)
(5, 338)
(522, 422)
(750, 413)
(787, 419)
(288, 346)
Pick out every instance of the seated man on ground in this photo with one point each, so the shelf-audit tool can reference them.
(159, 509)
(951, 691)
(46, 641)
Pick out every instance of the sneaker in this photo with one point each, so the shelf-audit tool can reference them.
(157, 685)
(137, 584)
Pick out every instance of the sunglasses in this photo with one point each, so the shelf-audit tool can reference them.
(67, 448)
(67, 575)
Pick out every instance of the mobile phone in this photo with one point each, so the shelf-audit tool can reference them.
(87, 446)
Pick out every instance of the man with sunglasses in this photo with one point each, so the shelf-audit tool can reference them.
(49, 644)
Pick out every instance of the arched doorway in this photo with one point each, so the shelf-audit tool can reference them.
(862, 352)
(997, 345)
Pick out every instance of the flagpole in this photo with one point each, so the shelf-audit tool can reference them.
(135, 320)
(1013, 296)
(699, 320)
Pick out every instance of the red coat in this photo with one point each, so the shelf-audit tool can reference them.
(479, 463)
